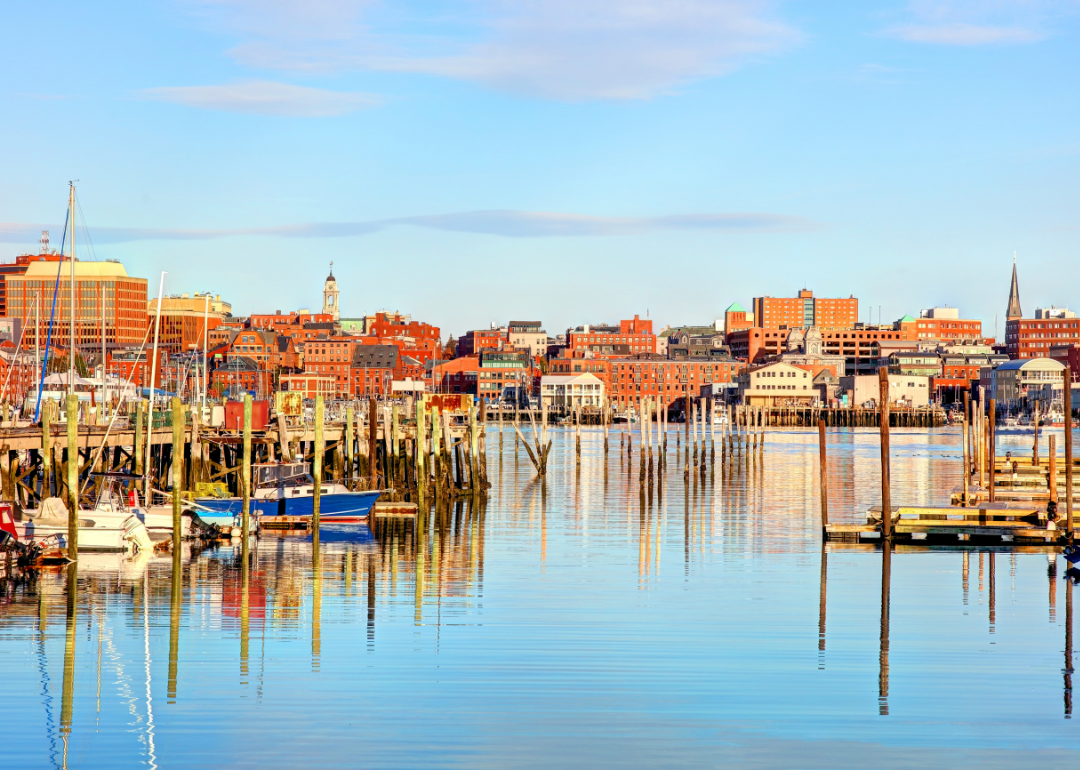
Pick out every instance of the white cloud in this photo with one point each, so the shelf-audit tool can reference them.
(504, 223)
(980, 22)
(560, 49)
(262, 97)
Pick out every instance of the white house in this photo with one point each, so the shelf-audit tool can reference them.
(570, 390)
(904, 389)
(775, 385)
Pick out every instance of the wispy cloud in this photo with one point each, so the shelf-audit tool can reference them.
(505, 223)
(559, 49)
(262, 97)
(980, 22)
(965, 34)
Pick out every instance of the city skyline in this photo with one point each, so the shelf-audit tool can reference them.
(667, 163)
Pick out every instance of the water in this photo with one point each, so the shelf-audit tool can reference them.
(563, 625)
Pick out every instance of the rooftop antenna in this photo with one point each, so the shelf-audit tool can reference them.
(44, 241)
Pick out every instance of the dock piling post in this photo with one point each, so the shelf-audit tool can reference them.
(967, 447)
(73, 476)
(177, 468)
(349, 417)
(1068, 454)
(824, 476)
(991, 437)
(886, 492)
(245, 481)
(373, 448)
(317, 468)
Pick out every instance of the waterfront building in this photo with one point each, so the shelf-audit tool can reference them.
(906, 390)
(136, 366)
(239, 375)
(311, 385)
(371, 369)
(859, 345)
(776, 384)
(501, 369)
(805, 310)
(1068, 354)
(101, 289)
(651, 376)
(1023, 381)
(806, 350)
(458, 375)
(570, 391)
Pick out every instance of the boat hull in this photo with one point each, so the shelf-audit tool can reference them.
(337, 507)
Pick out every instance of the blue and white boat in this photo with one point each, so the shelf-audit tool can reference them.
(287, 489)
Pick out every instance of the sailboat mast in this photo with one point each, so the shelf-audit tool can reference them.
(104, 392)
(71, 296)
(205, 363)
(153, 376)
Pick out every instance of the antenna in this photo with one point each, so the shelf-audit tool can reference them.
(44, 241)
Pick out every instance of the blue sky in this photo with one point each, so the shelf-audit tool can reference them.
(572, 161)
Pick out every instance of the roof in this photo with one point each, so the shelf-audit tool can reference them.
(106, 269)
(735, 307)
(567, 379)
(1047, 364)
(375, 356)
(906, 319)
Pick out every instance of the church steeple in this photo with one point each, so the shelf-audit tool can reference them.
(1014, 297)
(330, 296)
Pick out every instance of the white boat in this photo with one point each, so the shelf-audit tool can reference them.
(102, 530)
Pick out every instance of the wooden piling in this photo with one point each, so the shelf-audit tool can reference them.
(373, 444)
(992, 444)
(177, 419)
(421, 450)
(46, 449)
(349, 417)
(1051, 479)
(317, 468)
(1067, 397)
(823, 470)
(245, 480)
(886, 492)
(967, 448)
(73, 476)
(139, 442)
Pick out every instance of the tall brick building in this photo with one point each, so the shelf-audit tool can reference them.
(805, 310)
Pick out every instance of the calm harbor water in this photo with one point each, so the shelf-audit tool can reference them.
(567, 624)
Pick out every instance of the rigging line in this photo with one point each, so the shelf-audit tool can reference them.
(15, 357)
(52, 316)
(86, 230)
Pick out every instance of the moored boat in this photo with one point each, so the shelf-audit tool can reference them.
(287, 489)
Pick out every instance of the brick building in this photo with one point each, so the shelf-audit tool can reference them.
(649, 375)
(99, 286)
(472, 342)
(636, 335)
(372, 369)
(460, 375)
(805, 310)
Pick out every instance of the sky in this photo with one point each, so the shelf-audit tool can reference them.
(568, 161)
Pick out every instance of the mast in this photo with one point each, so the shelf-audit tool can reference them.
(71, 296)
(153, 376)
(205, 364)
(104, 392)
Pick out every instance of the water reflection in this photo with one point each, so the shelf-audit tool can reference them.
(556, 607)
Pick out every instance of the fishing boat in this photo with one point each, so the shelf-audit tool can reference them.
(287, 489)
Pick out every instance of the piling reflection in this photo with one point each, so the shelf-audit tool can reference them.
(883, 650)
(1067, 672)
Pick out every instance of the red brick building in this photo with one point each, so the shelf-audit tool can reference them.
(1069, 355)
(805, 310)
(471, 343)
(636, 335)
(1034, 337)
(372, 368)
(671, 381)
(460, 375)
